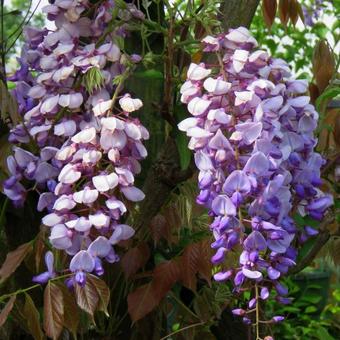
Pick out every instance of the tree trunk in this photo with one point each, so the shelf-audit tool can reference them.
(237, 13)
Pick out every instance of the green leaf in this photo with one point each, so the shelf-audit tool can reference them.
(305, 249)
(93, 79)
(14, 12)
(330, 93)
(323, 334)
(300, 64)
(320, 29)
(310, 309)
(183, 150)
(336, 294)
(175, 326)
(181, 138)
(291, 309)
(150, 74)
(312, 298)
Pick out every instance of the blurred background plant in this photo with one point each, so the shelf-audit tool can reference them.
(15, 15)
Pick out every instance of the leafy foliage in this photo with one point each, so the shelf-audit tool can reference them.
(305, 319)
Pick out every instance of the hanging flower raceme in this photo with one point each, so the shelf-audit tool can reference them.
(251, 131)
(87, 146)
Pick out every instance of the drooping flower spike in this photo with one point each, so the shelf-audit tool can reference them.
(88, 145)
(251, 130)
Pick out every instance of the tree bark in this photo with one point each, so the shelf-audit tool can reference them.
(237, 13)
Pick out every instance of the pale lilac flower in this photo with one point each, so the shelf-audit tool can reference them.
(89, 149)
(251, 131)
(50, 273)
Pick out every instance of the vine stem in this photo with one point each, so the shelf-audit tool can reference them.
(183, 329)
(257, 324)
(119, 87)
(20, 291)
(183, 306)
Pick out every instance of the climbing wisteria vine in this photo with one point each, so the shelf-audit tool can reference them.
(77, 144)
(251, 131)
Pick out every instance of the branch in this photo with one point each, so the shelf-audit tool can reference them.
(321, 240)
(2, 46)
(164, 175)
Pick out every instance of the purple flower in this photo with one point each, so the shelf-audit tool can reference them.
(50, 273)
(81, 264)
(238, 311)
(253, 146)
(264, 293)
(278, 318)
(223, 276)
(88, 148)
(255, 241)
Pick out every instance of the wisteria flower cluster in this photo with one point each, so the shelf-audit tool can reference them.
(312, 13)
(82, 150)
(251, 131)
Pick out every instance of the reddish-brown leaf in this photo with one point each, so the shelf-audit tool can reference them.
(336, 131)
(199, 30)
(135, 259)
(71, 311)
(326, 140)
(293, 11)
(53, 310)
(204, 265)
(145, 298)
(39, 250)
(165, 275)
(5, 151)
(158, 228)
(314, 92)
(103, 292)
(142, 301)
(32, 318)
(6, 310)
(8, 105)
(87, 297)
(13, 260)
(269, 8)
(284, 11)
(323, 64)
(300, 11)
(173, 218)
(189, 265)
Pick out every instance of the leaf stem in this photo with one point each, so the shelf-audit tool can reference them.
(124, 76)
(24, 290)
(257, 324)
(183, 305)
(183, 329)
